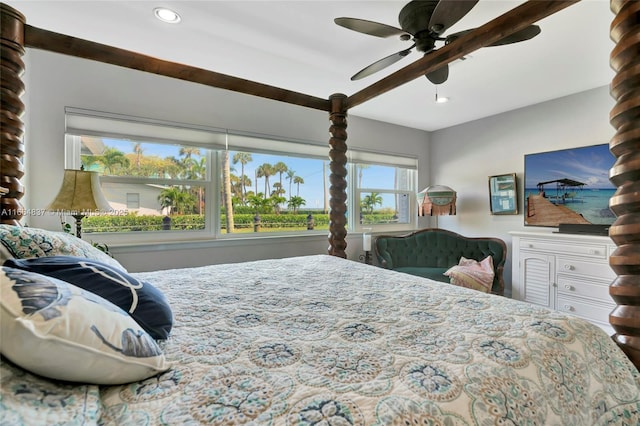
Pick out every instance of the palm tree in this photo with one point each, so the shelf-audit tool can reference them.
(290, 175)
(266, 170)
(227, 196)
(244, 181)
(137, 149)
(278, 189)
(187, 152)
(280, 168)
(243, 158)
(175, 200)
(276, 201)
(295, 202)
(370, 201)
(259, 202)
(298, 180)
(199, 171)
(112, 157)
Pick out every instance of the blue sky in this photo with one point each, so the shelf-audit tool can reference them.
(589, 165)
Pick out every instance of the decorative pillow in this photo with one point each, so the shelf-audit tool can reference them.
(470, 273)
(60, 331)
(22, 243)
(145, 303)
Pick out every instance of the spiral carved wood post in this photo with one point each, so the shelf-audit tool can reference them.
(11, 125)
(625, 174)
(338, 176)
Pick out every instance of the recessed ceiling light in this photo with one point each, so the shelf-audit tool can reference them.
(166, 15)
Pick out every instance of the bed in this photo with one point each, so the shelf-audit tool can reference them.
(324, 340)
(284, 342)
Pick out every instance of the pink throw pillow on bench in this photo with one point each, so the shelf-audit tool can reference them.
(470, 273)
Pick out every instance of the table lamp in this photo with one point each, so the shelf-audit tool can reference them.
(79, 195)
(437, 200)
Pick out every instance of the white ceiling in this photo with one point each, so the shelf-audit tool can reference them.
(295, 45)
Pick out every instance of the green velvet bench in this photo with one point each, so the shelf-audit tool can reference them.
(430, 252)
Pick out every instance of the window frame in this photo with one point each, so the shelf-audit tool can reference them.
(356, 192)
(237, 142)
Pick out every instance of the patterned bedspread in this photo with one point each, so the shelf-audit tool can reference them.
(319, 340)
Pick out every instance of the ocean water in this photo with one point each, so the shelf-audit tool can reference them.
(593, 204)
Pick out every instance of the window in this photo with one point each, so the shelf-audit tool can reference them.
(150, 186)
(172, 181)
(385, 195)
(133, 201)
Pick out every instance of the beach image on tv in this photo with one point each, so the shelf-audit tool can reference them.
(569, 186)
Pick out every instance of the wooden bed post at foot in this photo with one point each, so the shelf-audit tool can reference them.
(625, 174)
(12, 128)
(338, 167)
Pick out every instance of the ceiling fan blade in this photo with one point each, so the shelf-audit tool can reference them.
(525, 34)
(381, 64)
(369, 27)
(438, 76)
(448, 12)
(454, 36)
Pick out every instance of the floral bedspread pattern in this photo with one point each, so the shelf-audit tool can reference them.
(319, 340)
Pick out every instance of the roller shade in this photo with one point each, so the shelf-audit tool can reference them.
(92, 123)
(382, 159)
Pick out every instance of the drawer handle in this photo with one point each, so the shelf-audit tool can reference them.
(568, 267)
(530, 245)
(568, 308)
(593, 251)
(569, 287)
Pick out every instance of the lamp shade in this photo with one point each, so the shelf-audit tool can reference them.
(80, 193)
(437, 200)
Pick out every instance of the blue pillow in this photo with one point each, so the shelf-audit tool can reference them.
(145, 303)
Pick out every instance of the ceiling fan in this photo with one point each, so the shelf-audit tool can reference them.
(424, 22)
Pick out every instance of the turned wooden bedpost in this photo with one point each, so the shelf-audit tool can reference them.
(11, 126)
(338, 176)
(625, 174)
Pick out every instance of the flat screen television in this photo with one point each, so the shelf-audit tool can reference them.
(569, 189)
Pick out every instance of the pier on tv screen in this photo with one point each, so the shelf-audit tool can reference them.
(568, 186)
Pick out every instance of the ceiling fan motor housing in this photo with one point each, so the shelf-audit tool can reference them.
(414, 18)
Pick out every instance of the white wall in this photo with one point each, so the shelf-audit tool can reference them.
(56, 81)
(464, 156)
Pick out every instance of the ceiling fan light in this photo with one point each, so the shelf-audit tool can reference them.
(166, 15)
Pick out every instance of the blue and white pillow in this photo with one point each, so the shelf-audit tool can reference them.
(21, 242)
(144, 302)
(57, 330)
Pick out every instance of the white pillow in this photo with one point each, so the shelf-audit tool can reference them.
(21, 242)
(57, 330)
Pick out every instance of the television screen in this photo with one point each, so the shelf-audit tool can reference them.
(569, 186)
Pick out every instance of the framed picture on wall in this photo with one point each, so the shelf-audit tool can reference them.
(503, 194)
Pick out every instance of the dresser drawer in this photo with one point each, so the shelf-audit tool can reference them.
(571, 286)
(591, 250)
(591, 311)
(570, 266)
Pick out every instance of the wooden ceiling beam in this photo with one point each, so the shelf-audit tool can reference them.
(67, 45)
(515, 20)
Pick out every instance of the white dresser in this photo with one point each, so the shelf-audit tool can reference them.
(566, 272)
